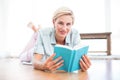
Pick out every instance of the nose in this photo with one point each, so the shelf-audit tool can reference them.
(64, 27)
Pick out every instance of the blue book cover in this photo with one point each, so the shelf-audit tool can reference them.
(71, 56)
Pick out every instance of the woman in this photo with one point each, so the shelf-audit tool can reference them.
(62, 33)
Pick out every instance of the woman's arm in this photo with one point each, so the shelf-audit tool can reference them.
(36, 62)
(49, 64)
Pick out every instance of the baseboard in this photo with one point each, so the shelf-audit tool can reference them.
(104, 57)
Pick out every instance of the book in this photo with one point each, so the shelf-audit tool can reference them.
(71, 56)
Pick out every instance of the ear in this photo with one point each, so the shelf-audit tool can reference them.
(53, 23)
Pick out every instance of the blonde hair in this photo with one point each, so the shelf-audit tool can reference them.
(63, 11)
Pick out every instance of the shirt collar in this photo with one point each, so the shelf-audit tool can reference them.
(67, 40)
(52, 36)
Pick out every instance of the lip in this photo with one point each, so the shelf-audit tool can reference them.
(62, 32)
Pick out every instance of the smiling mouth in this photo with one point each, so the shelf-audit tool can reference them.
(62, 32)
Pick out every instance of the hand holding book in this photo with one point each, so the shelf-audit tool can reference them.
(71, 56)
(85, 63)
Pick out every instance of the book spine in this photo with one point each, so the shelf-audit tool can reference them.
(74, 61)
(71, 61)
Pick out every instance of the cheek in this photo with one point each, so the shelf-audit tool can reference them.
(68, 30)
(57, 27)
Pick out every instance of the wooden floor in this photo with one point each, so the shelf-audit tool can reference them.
(12, 69)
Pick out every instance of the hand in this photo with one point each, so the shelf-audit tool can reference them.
(53, 65)
(85, 63)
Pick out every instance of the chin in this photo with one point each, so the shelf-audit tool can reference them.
(62, 36)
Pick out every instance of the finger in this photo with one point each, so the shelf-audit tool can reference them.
(53, 69)
(83, 65)
(88, 59)
(52, 63)
(47, 62)
(50, 58)
(82, 68)
(57, 65)
(56, 60)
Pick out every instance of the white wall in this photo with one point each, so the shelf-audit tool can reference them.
(3, 24)
(115, 26)
(90, 17)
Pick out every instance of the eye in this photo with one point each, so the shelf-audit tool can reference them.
(68, 24)
(61, 23)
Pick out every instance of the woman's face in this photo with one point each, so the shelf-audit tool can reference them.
(63, 25)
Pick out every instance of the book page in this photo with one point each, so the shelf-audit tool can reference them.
(79, 46)
(64, 46)
(78, 55)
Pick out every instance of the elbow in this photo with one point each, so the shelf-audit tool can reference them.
(34, 65)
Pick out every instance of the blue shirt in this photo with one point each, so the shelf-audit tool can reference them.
(46, 41)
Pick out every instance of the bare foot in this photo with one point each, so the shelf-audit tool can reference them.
(32, 26)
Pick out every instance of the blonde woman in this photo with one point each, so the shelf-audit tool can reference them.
(61, 33)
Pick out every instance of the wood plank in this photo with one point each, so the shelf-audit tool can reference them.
(12, 69)
(104, 35)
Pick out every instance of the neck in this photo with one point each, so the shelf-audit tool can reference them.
(60, 41)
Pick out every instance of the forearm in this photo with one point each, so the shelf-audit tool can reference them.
(37, 63)
(49, 65)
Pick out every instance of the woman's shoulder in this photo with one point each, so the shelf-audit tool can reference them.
(74, 31)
